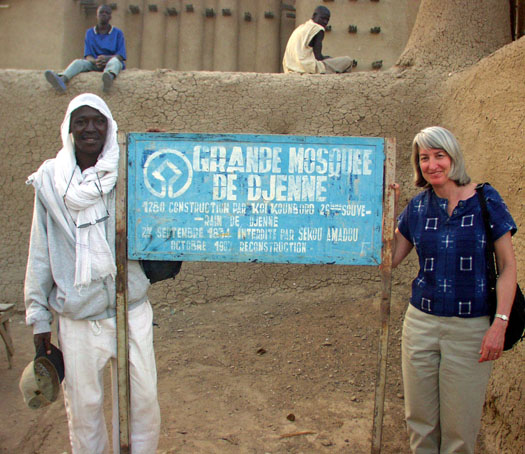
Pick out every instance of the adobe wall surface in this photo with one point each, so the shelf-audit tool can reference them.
(485, 105)
(213, 35)
(49, 29)
(395, 18)
(357, 105)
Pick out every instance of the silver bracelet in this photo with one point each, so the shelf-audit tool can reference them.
(503, 317)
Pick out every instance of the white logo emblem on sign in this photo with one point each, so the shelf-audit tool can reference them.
(163, 168)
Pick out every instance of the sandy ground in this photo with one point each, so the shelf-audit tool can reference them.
(283, 373)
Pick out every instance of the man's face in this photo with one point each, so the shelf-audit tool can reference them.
(104, 15)
(321, 19)
(89, 128)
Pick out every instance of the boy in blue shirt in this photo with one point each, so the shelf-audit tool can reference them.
(104, 50)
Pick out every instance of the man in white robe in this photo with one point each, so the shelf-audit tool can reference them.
(303, 53)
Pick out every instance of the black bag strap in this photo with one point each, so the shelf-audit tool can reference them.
(515, 329)
(492, 273)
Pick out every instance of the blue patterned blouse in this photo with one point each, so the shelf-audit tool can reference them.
(452, 277)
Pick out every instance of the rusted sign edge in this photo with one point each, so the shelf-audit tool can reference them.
(386, 283)
(121, 249)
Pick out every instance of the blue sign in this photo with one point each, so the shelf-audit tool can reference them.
(255, 198)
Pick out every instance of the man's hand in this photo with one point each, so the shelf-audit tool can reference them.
(43, 338)
(101, 61)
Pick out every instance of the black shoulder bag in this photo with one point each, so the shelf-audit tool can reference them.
(157, 270)
(516, 324)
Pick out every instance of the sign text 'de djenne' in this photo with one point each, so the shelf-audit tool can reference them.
(255, 198)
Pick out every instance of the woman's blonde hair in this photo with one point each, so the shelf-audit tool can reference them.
(436, 137)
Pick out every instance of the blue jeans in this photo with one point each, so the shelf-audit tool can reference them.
(114, 65)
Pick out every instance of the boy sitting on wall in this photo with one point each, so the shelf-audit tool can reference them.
(104, 50)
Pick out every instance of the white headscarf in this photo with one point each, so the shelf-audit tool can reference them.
(94, 259)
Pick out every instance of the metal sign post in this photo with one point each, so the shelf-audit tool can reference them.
(386, 281)
(121, 248)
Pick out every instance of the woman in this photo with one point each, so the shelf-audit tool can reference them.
(448, 341)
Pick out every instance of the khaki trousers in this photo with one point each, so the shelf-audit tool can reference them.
(443, 380)
(337, 65)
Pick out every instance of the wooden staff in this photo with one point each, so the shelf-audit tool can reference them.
(121, 241)
(386, 280)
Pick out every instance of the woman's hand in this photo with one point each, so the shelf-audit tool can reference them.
(494, 339)
(397, 192)
(492, 344)
(400, 246)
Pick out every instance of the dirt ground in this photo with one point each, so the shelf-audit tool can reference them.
(283, 373)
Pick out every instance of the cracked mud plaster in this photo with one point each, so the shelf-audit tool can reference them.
(360, 105)
(357, 105)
